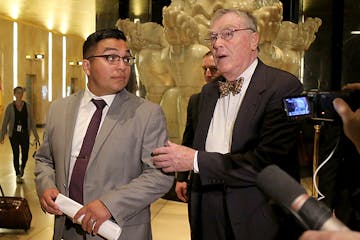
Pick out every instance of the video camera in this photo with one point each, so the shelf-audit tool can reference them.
(317, 105)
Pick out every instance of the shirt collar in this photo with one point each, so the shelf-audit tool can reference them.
(88, 95)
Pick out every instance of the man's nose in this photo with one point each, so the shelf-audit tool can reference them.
(208, 72)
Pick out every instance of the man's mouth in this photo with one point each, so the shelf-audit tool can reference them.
(220, 56)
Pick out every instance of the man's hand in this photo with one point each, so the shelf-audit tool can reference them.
(173, 158)
(351, 86)
(95, 213)
(350, 119)
(181, 190)
(330, 235)
(47, 201)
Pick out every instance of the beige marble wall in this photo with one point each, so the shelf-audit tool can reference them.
(74, 54)
(6, 62)
(33, 39)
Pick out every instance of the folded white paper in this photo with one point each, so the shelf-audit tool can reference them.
(69, 207)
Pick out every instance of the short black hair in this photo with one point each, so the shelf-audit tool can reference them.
(18, 88)
(99, 35)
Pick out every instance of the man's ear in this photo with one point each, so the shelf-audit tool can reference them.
(86, 66)
(254, 40)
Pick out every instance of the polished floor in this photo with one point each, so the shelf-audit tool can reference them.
(168, 218)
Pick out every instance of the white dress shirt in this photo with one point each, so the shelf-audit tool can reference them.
(86, 111)
(226, 110)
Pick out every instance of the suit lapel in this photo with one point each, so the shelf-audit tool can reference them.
(72, 107)
(207, 103)
(249, 106)
(112, 117)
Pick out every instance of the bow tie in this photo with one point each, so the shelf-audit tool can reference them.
(234, 87)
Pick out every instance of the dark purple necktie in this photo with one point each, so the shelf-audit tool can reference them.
(77, 177)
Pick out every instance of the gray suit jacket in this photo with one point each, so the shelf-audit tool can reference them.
(117, 173)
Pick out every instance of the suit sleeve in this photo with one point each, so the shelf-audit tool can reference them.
(5, 122)
(44, 162)
(273, 141)
(130, 199)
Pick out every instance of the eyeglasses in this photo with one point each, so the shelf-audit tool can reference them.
(212, 70)
(226, 34)
(114, 59)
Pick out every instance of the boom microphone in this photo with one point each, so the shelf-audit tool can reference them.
(286, 191)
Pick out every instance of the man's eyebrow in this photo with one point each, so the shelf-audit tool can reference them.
(115, 49)
(226, 27)
(109, 49)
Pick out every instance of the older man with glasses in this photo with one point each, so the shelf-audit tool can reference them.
(243, 129)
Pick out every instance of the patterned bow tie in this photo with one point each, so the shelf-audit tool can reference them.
(234, 87)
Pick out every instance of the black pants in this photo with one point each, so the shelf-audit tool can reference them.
(194, 207)
(208, 226)
(20, 140)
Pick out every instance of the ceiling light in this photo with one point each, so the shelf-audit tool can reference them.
(39, 56)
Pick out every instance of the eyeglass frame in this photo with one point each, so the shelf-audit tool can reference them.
(226, 34)
(131, 59)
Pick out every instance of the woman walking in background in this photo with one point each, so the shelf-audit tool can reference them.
(17, 123)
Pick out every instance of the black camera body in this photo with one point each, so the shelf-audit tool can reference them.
(318, 106)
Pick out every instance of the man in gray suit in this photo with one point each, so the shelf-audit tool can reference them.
(119, 183)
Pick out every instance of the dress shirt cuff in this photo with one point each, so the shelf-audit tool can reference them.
(196, 164)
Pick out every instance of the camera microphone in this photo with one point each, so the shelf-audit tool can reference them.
(285, 190)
